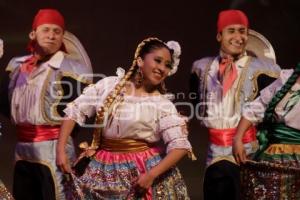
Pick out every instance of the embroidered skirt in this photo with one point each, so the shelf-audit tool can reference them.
(275, 176)
(4, 194)
(112, 175)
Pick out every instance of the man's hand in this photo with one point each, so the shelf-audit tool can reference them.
(62, 161)
(238, 151)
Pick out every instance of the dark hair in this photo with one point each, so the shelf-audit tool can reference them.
(270, 116)
(146, 46)
(269, 119)
(152, 45)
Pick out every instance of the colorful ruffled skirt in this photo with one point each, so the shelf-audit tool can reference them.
(275, 176)
(112, 175)
(4, 194)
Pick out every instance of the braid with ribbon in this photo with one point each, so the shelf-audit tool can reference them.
(269, 116)
(269, 113)
(114, 96)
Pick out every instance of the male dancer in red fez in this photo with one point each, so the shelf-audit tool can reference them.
(224, 83)
(40, 85)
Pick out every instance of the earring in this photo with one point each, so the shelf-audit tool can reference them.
(162, 87)
(139, 77)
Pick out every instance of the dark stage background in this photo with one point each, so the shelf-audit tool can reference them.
(111, 30)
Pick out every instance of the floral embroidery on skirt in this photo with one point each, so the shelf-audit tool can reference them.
(112, 175)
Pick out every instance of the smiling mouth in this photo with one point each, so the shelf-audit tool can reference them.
(157, 74)
(237, 44)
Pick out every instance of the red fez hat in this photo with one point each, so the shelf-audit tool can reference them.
(229, 17)
(48, 16)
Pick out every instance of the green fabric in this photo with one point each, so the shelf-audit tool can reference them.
(272, 132)
(263, 142)
(270, 116)
(282, 134)
(270, 129)
(278, 133)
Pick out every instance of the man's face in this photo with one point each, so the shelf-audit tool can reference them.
(49, 38)
(233, 39)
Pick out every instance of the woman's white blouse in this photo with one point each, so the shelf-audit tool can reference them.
(149, 118)
(254, 111)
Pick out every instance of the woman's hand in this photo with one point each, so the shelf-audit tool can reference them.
(238, 151)
(145, 181)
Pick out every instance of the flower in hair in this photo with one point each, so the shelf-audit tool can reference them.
(120, 72)
(176, 54)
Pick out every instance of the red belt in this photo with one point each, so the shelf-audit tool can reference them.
(224, 137)
(37, 133)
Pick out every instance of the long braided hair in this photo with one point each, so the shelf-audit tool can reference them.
(270, 116)
(146, 46)
(269, 113)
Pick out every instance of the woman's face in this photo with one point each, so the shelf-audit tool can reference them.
(155, 66)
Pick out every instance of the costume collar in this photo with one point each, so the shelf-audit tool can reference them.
(55, 61)
(240, 61)
(222, 54)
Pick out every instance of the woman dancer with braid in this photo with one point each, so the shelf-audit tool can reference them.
(4, 194)
(278, 108)
(133, 116)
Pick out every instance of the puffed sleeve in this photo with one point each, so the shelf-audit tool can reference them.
(254, 111)
(92, 98)
(173, 129)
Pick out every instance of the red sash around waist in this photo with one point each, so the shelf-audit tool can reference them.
(37, 133)
(224, 137)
